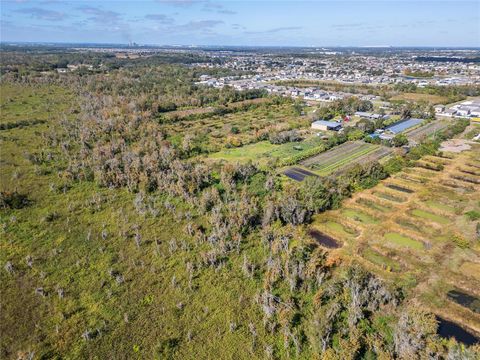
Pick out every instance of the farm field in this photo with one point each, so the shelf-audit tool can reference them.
(419, 232)
(297, 173)
(427, 130)
(337, 158)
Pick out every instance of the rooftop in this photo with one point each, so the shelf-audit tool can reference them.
(403, 125)
(327, 123)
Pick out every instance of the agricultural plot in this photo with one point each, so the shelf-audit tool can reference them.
(440, 206)
(470, 269)
(430, 216)
(427, 130)
(374, 205)
(298, 174)
(415, 228)
(324, 240)
(339, 157)
(264, 151)
(388, 196)
(380, 260)
(360, 216)
(403, 241)
(382, 152)
(465, 300)
(336, 229)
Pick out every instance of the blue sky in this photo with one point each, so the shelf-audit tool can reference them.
(251, 23)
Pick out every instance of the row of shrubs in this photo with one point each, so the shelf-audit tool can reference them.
(166, 118)
(13, 200)
(21, 123)
(292, 160)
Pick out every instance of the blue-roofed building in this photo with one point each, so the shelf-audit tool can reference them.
(402, 126)
(326, 125)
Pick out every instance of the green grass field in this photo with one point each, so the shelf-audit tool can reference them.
(430, 216)
(359, 216)
(401, 240)
(380, 260)
(80, 243)
(251, 152)
(441, 206)
(263, 151)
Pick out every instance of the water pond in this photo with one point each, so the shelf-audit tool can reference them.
(448, 329)
(466, 300)
(324, 240)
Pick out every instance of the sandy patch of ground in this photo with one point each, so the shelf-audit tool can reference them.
(455, 145)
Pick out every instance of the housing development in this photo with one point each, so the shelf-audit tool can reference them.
(253, 201)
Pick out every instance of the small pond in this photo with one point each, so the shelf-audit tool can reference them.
(324, 239)
(465, 300)
(448, 329)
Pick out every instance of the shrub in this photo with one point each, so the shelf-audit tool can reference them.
(460, 241)
(13, 200)
(473, 215)
(302, 156)
(399, 140)
(284, 137)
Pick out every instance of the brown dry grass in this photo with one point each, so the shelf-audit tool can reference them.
(432, 99)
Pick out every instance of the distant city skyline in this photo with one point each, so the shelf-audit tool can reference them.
(244, 23)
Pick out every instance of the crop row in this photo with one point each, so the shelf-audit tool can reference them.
(331, 166)
(338, 151)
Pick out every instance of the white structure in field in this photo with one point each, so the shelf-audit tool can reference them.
(326, 125)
